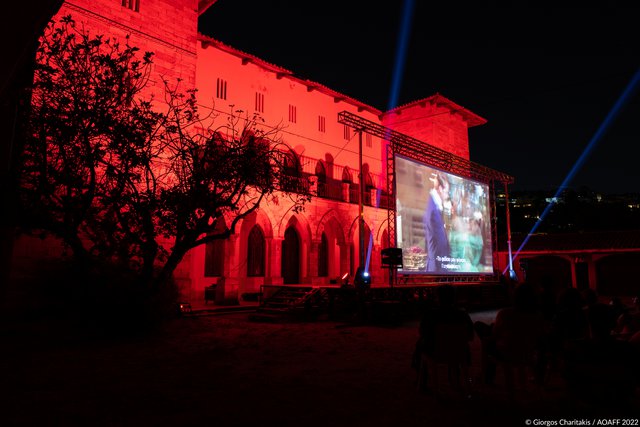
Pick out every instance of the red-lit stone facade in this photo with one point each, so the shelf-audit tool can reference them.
(321, 243)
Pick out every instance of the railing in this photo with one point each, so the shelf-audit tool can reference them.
(335, 171)
(386, 201)
(331, 190)
(354, 193)
(294, 184)
(335, 190)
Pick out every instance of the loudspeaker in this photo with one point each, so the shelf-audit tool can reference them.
(392, 257)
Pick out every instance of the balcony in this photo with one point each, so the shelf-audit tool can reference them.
(332, 189)
(328, 187)
(294, 184)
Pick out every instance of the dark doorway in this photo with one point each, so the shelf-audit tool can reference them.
(291, 257)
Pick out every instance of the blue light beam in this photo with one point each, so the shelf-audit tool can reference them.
(368, 259)
(396, 81)
(401, 53)
(604, 126)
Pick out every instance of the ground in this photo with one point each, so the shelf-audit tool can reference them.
(229, 370)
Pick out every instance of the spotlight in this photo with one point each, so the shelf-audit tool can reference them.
(362, 279)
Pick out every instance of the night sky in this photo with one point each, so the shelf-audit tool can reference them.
(544, 77)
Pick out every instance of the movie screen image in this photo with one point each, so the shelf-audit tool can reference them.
(443, 221)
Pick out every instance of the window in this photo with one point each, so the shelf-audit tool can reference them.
(321, 172)
(255, 252)
(214, 253)
(368, 186)
(321, 124)
(323, 257)
(346, 133)
(322, 179)
(291, 164)
(292, 113)
(259, 102)
(346, 175)
(354, 188)
(368, 182)
(132, 4)
(214, 258)
(221, 89)
(291, 173)
(369, 140)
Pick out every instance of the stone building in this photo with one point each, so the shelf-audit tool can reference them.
(276, 245)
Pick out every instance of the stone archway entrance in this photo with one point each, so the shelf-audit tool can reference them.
(291, 257)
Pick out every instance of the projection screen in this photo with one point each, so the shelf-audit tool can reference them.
(443, 221)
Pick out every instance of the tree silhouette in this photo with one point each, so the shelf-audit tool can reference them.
(123, 178)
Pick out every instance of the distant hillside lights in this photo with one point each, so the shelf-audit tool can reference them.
(573, 210)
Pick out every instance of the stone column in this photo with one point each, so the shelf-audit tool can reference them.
(229, 284)
(344, 258)
(313, 264)
(273, 273)
(374, 266)
(574, 276)
(345, 191)
(593, 274)
(374, 197)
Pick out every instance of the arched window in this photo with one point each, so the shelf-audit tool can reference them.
(323, 256)
(368, 182)
(214, 253)
(214, 258)
(346, 175)
(321, 174)
(368, 186)
(255, 252)
(328, 165)
(353, 187)
(291, 164)
(291, 172)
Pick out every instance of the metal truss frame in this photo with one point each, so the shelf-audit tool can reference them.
(405, 145)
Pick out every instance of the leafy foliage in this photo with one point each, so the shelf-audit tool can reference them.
(114, 176)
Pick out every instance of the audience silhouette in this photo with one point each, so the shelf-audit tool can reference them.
(515, 340)
(572, 341)
(567, 325)
(445, 332)
(602, 371)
